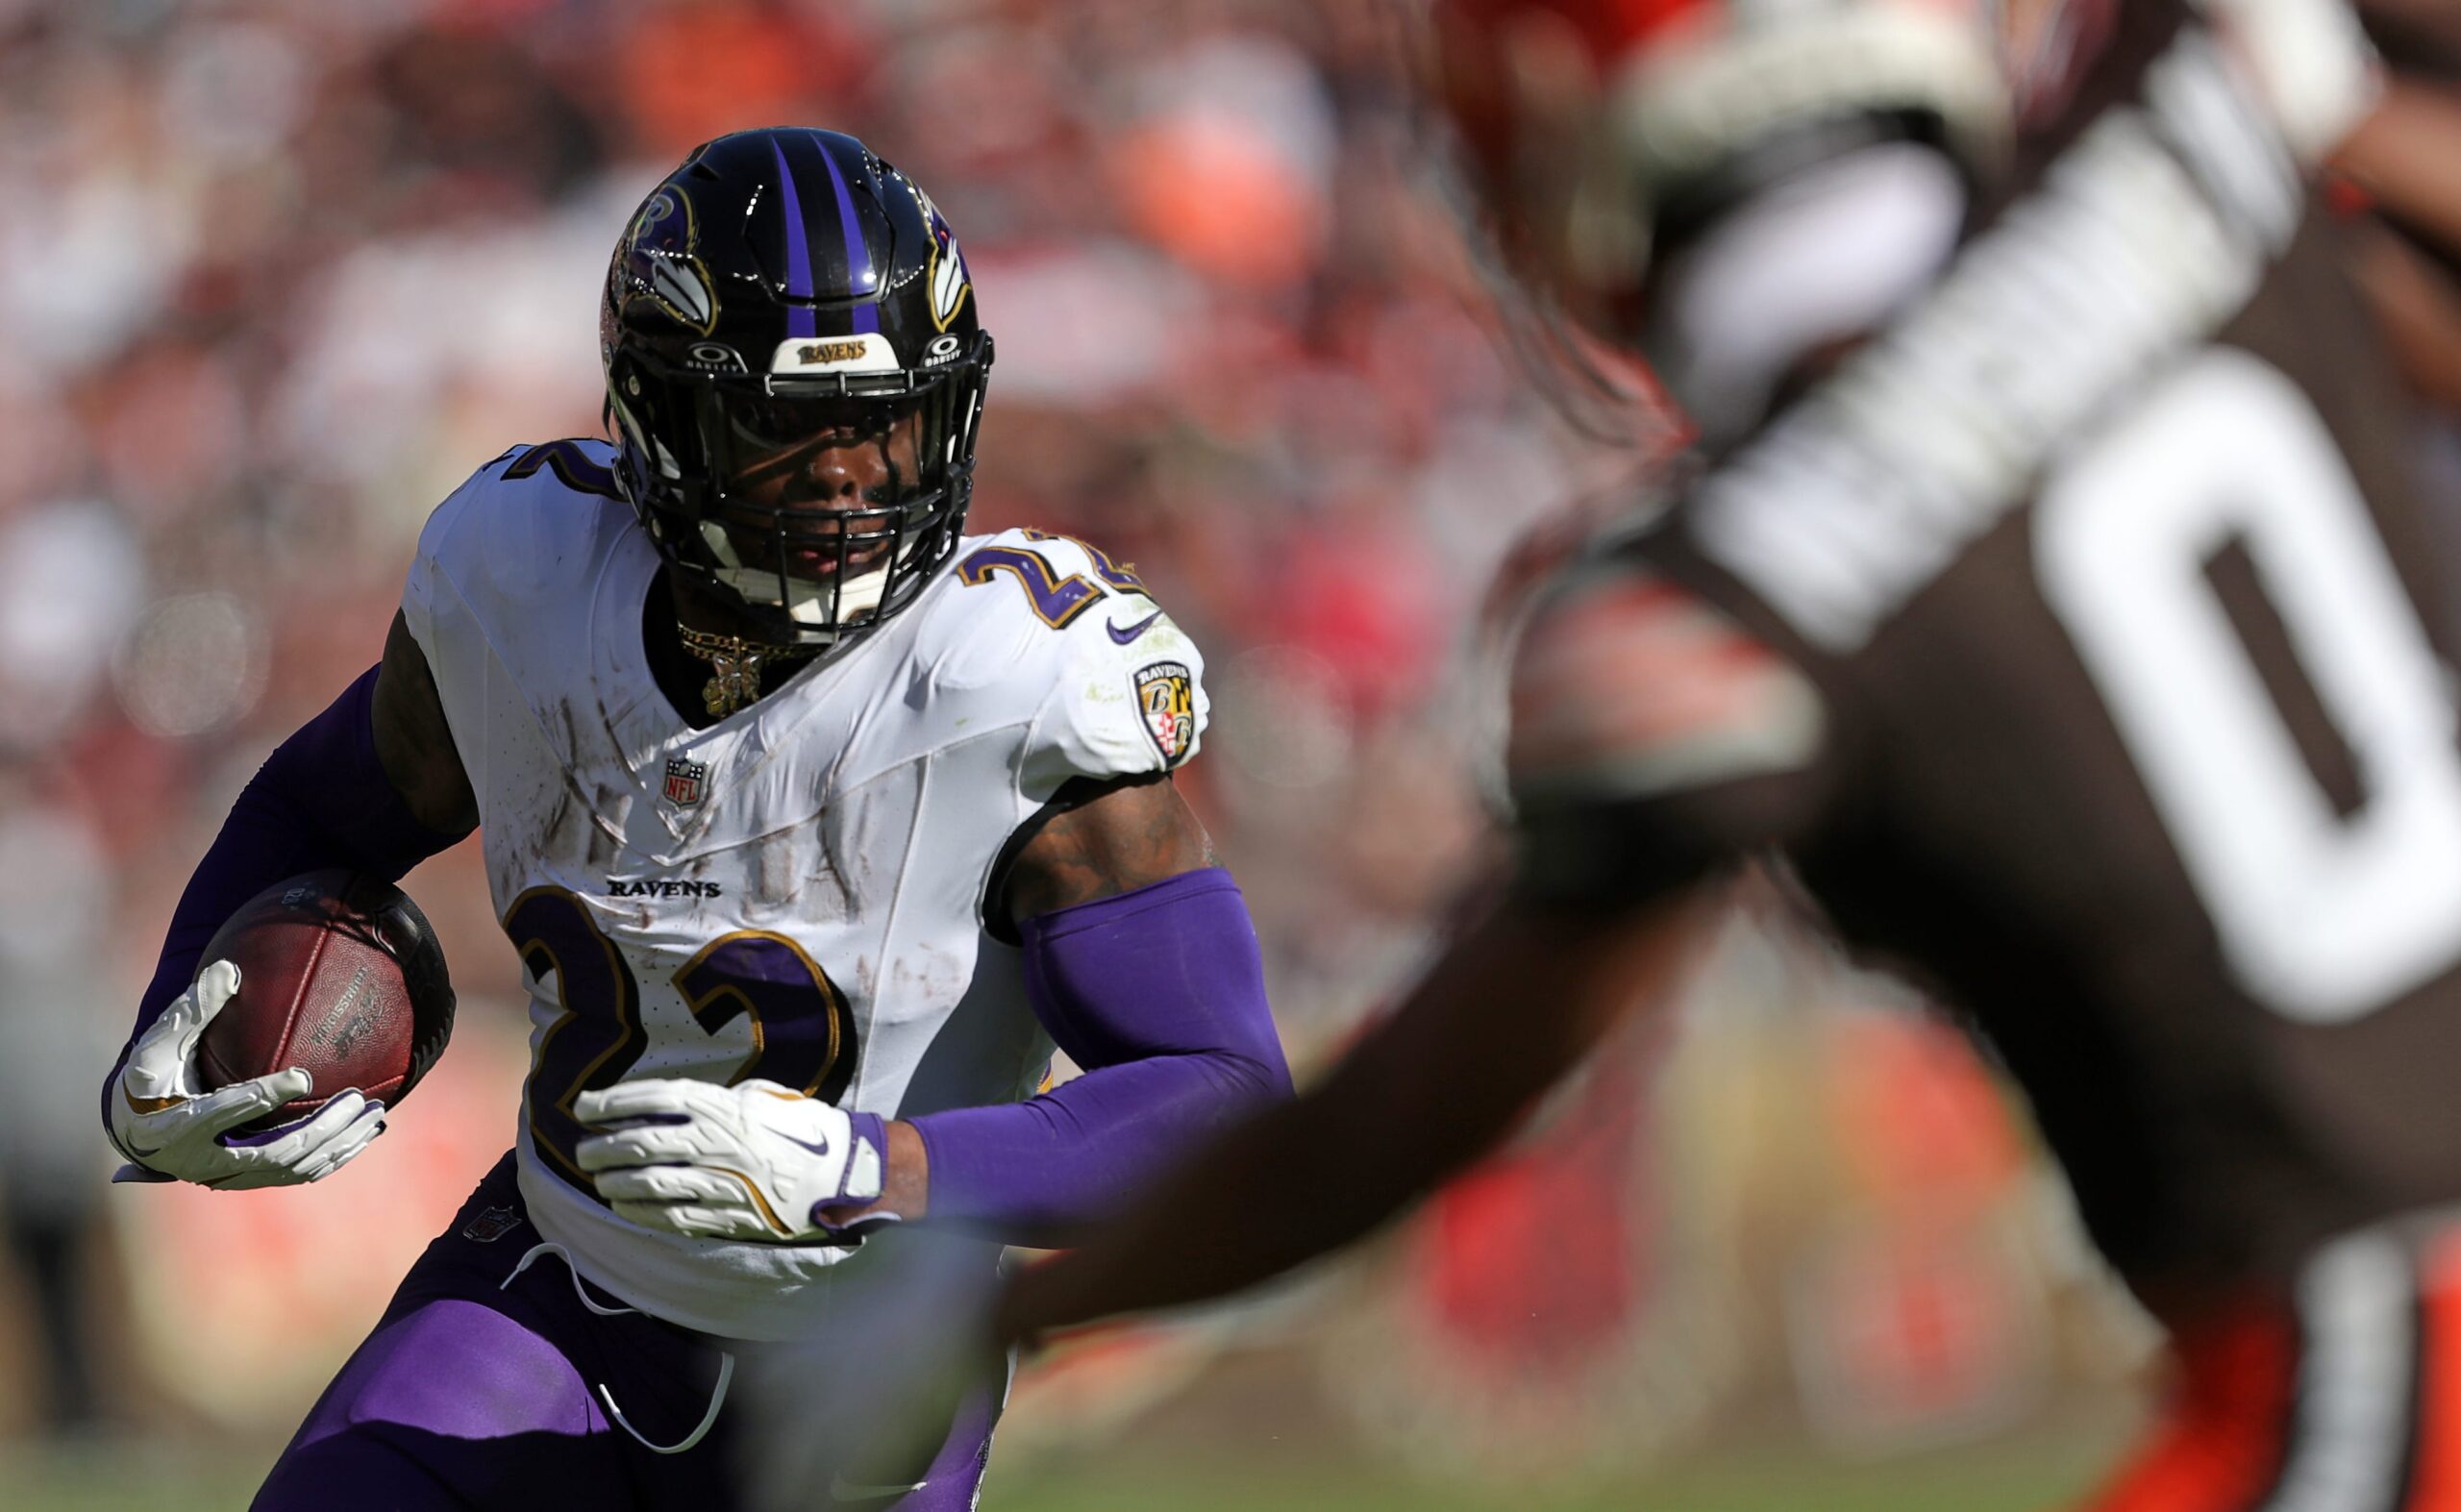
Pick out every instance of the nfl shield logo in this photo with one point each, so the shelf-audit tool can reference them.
(1166, 696)
(683, 782)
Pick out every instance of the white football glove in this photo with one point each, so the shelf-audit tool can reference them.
(172, 1129)
(751, 1161)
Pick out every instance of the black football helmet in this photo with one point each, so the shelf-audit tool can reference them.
(783, 294)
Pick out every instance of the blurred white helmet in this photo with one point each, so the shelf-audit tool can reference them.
(1597, 128)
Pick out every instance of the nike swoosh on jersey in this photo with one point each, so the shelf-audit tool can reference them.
(1123, 636)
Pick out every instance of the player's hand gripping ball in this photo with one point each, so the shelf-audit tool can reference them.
(753, 1161)
(324, 1000)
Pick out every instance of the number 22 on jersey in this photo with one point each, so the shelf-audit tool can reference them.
(802, 1033)
(1056, 601)
(2324, 918)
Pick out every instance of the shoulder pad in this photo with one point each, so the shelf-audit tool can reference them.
(523, 522)
(1120, 686)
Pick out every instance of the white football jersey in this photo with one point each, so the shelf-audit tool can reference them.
(796, 892)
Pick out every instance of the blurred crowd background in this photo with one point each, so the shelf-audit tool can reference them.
(276, 275)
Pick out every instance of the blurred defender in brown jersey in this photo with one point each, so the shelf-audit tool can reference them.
(2056, 600)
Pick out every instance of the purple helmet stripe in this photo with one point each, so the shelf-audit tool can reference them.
(799, 317)
(859, 260)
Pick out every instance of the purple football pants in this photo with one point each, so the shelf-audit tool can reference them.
(474, 1396)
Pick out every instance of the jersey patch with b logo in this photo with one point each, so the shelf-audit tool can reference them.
(1166, 698)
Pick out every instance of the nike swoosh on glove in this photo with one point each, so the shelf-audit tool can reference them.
(171, 1129)
(751, 1161)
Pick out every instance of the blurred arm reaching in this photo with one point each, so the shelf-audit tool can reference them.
(1511, 1009)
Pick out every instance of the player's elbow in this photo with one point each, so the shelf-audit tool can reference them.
(1254, 1078)
(1266, 1075)
(1241, 1053)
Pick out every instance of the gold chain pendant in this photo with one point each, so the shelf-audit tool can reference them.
(734, 666)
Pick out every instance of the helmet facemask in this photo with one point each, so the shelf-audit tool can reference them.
(823, 503)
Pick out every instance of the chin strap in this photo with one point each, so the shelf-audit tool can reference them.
(725, 1359)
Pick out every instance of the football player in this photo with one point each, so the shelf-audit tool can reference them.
(2055, 602)
(815, 824)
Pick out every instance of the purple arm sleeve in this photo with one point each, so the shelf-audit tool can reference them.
(1159, 995)
(322, 798)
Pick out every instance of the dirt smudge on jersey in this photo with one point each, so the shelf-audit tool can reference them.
(606, 810)
(932, 975)
(568, 825)
(833, 870)
(558, 819)
(561, 716)
(774, 874)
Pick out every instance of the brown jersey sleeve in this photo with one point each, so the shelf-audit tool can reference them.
(1654, 738)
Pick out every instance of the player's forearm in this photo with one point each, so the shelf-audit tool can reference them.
(1159, 994)
(322, 798)
(1502, 1017)
(1262, 1201)
(1039, 1172)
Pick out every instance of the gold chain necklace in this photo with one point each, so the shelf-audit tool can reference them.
(734, 665)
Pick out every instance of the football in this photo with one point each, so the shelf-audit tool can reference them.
(341, 976)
